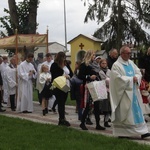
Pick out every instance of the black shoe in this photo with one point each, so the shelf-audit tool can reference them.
(100, 128)
(46, 110)
(79, 118)
(109, 120)
(145, 135)
(88, 121)
(146, 120)
(25, 111)
(54, 111)
(83, 127)
(107, 125)
(64, 123)
(2, 110)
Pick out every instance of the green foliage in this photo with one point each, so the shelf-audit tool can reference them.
(23, 18)
(123, 21)
(6, 23)
(23, 12)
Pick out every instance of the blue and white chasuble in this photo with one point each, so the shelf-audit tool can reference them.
(126, 101)
(136, 109)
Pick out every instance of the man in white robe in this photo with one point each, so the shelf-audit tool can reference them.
(126, 101)
(11, 81)
(26, 73)
(3, 73)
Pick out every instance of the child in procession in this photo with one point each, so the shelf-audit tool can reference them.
(44, 87)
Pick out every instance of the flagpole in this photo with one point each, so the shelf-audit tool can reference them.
(65, 25)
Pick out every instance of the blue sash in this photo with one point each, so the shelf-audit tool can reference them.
(136, 109)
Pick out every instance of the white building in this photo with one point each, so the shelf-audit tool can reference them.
(53, 48)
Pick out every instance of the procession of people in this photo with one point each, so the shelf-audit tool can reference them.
(124, 106)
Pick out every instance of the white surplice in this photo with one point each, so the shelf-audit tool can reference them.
(11, 79)
(42, 80)
(126, 101)
(25, 92)
(5, 85)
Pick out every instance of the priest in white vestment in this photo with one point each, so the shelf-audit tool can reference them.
(125, 97)
(26, 72)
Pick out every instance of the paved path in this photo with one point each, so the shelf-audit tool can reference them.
(52, 118)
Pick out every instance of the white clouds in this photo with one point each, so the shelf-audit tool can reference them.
(51, 14)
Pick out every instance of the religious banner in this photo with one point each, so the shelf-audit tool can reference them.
(23, 40)
(8, 42)
(32, 39)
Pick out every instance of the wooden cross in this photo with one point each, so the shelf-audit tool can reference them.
(81, 45)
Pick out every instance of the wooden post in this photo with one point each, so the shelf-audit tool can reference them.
(16, 53)
(47, 41)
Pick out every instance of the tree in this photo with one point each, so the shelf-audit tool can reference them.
(123, 21)
(21, 17)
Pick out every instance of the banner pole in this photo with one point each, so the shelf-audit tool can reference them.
(16, 53)
(47, 41)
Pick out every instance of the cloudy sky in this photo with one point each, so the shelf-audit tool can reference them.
(51, 14)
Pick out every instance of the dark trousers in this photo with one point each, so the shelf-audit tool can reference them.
(54, 105)
(61, 98)
(55, 102)
(1, 98)
(12, 101)
(78, 102)
(96, 112)
(85, 113)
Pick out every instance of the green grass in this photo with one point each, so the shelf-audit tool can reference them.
(18, 134)
(35, 95)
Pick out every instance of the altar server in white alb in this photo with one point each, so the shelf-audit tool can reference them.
(5, 85)
(125, 97)
(11, 81)
(26, 73)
